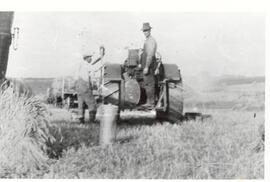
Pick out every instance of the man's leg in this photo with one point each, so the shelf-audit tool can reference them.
(91, 103)
(81, 108)
(149, 81)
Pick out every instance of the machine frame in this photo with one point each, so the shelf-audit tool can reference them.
(112, 90)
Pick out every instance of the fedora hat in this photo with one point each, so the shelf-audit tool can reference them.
(146, 26)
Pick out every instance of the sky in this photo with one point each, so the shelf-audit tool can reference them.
(50, 44)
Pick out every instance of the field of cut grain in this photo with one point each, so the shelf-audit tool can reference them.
(24, 134)
(227, 146)
(233, 97)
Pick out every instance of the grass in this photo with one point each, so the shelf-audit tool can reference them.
(227, 147)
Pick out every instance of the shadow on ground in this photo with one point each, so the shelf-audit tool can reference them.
(71, 135)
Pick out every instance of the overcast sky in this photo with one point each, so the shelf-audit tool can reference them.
(51, 43)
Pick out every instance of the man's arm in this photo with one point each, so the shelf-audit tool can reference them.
(96, 60)
(158, 59)
(101, 55)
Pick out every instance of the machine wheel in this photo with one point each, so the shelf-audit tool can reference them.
(110, 97)
(111, 93)
(111, 84)
(176, 103)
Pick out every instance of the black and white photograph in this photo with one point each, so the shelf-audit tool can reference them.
(132, 95)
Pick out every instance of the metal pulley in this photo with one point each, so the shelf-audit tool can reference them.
(132, 92)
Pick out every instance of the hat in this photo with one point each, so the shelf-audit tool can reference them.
(146, 26)
(87, 54)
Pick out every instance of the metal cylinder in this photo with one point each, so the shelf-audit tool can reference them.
(137, 114)
(108, 122)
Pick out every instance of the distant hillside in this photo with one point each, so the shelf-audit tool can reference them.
(39, 85)
(238, 94)
(191, 84)
(206, 82)
(237, 80)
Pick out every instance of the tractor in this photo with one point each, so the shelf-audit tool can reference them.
(125, 88)
(122, 85)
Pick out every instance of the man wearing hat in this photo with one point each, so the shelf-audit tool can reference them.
(84, 87)
(148, 62)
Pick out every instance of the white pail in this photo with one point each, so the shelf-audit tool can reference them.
(108, 122)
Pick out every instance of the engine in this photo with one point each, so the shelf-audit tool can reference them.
(132, 68)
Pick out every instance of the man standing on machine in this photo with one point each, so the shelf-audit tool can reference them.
(148, 61)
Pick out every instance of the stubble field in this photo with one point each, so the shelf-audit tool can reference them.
(230, 145)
